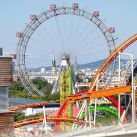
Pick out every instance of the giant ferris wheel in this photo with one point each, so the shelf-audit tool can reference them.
(89, 30)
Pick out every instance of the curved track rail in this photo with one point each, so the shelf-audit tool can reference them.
(62, 119)
(104, 108)
(107, 62)
(15, 108)
(89, 96)
(93, 95)
(48, 119)
(101, 93)
(110, 58)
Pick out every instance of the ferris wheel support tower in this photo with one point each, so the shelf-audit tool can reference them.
(65, 80)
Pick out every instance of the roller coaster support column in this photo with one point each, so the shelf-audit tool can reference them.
(119, 85)
(132, 86)
(95, 111)
(87, 111)
(133, 94)
(45, 121)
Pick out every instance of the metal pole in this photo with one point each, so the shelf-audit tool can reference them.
(133, 94)
(119, 85)
(89, 118)
(95, 110)
(132, 87)
(87, 112)
(44, 120)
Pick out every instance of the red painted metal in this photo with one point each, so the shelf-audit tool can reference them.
(96, 13)
(19, 34)
(75, 5)
(111, 30)
(33, 17)
(52, 6)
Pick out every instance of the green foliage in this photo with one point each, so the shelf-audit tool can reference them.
(17, 90)
(80, 78)
(18, 115)
(40, 83)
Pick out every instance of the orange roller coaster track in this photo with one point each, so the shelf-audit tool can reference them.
(111, 57)
(87, 95)
(48, 119)
(93, 95)
(72, 99)
(15, 108)
(99, 93)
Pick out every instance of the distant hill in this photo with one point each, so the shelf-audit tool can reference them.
(94, 65)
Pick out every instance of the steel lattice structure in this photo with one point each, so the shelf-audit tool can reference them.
(36, 21)
(83, 95)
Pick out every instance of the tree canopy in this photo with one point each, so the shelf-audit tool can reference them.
(17, 90)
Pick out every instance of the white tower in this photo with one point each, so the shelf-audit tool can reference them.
(53, 65)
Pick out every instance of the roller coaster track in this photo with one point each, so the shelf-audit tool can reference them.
(48, 119)
(92, 95)
(62, 119)
(92, 85)
(88, 95)
(110, 98)
(111, 57)
(72, 99)
(15, 108)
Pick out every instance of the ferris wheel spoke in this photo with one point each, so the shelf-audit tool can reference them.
(89, 43)
(88, 35)
(45, 39)
(37, 42)
(39, 50)
(84, 36)
(76, 38)
(90, 52)
(60, 36)
(76, 31)
(73, 32)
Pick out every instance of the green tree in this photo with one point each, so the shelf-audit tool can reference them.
(18, 115)
(17, 90)
(40, 83)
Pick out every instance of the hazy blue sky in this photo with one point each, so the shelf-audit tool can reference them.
(14, 14)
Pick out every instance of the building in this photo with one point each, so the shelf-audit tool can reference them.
(49, 75)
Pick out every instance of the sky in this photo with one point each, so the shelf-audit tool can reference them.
(14, 14)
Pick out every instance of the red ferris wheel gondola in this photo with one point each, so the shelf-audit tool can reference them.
(52, 6)
(111, 30)
(19, 34)
(75, 5)
(96, 13)
(33, 17)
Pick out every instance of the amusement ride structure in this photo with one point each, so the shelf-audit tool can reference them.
(70, 95)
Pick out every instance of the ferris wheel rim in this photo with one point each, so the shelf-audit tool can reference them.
(40, 19)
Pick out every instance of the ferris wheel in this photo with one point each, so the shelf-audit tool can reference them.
(68, 30)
